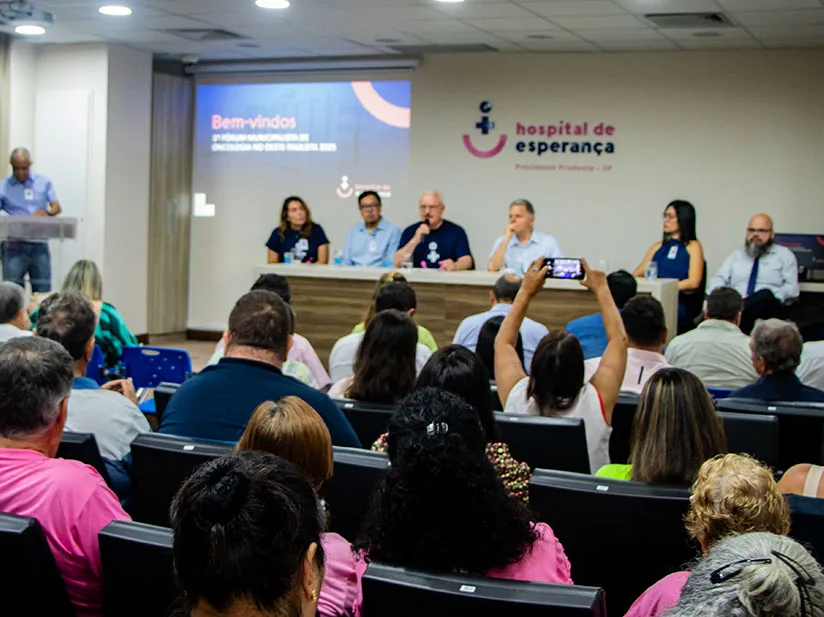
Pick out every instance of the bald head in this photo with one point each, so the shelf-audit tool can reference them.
(20, 164)
(760, 235)
(506, 288)
(431, 208)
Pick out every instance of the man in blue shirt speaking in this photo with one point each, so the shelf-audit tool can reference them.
(26, 194)
(434, 242)
(373, 242)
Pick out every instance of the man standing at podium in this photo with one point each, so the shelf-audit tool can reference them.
(26, 194)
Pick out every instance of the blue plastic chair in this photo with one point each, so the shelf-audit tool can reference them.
(718, 394)
(148, 366)
(97, 367)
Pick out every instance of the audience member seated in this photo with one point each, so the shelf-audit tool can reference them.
(294, 431)
(434, 242)
(589, 330)
(763, 272)
(485, 349)
(646, 328)
(68, 498)
(441, 505)
(803, 479)
(384, 368)
(14, 314)
(247, 539)
(776, 353)
(674, 431)
(459, 371)
(395, 295)
(111, 334)
(501, 298)
(754, 575)
(298, 235)
(811, 369)
(679, 254)
(218, 402)
(716, 352)
(556, 386)
(109, 412)
(373, 242)
(521, 244)
(733, 494)
(424, 336)
(301, 351)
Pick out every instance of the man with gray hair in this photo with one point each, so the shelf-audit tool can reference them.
(521, 244)
(14, 315)
(776, 347)
(68, 498)
(434, 242)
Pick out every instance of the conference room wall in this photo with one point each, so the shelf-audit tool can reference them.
(734, 132)
(103, 91)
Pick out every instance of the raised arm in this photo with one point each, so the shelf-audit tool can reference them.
(639, 271)
(508, 367)
(610, 373)
(409, 247)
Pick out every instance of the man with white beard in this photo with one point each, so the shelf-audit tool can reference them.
(763, 272)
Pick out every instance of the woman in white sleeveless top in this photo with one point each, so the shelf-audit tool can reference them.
(556, 386)
(803, 479)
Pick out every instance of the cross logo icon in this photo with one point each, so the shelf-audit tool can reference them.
(485, 125)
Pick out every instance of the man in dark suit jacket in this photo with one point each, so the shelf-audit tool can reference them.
(776, 353)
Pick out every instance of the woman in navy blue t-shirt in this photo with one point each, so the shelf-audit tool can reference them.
(298, 234)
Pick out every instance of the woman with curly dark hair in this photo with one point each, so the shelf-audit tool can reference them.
(442, 506)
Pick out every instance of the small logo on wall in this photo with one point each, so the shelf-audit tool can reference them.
(485, 125)
(345, 190)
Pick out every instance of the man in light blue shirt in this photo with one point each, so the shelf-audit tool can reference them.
(26, 194)
(763, 272)
(373, 242)
(521, 245)
(502, 296)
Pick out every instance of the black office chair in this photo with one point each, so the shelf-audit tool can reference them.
(545, 443)
(368, 419)
(807, 523)
(356, 474)
(83, 447)
(623, 415)
(160, 464)
(30, 582)
(693, 302)
(800, 427)
(399, 592)
(162, 393)
(623, 536)
(753, 434)
(138, 575)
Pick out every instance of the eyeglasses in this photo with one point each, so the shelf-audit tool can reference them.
(369, 206)
(758, 230)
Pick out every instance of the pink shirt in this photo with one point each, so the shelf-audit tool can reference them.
(641, 365)
(340, 580)
(545, 562)
(659, 598)
(72, 504)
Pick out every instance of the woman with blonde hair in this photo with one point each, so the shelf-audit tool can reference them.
(111, 334)
(733, 494)
(292, 430)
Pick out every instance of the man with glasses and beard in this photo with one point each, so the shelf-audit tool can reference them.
(763, 272)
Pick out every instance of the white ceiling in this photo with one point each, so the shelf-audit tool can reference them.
(311, 28)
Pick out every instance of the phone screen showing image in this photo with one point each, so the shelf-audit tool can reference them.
(564, 268)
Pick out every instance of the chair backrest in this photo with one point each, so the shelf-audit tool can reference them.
(83, 447)
(800, 427)
(356, 474)
(30, 582)
(807, 523)
(545, 443)
(622, 536)
(368, 419)
(623, 414)
(148, 366)
(138, 575)
(400, 592)
(160, 464)
(96, 369)
(162, 393)
(752, 433)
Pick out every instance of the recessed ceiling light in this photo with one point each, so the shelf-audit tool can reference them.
(115, 10)
(30, 30)
(273, 4)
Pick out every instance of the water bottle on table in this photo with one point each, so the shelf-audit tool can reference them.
(287, 257)
(338, 259)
